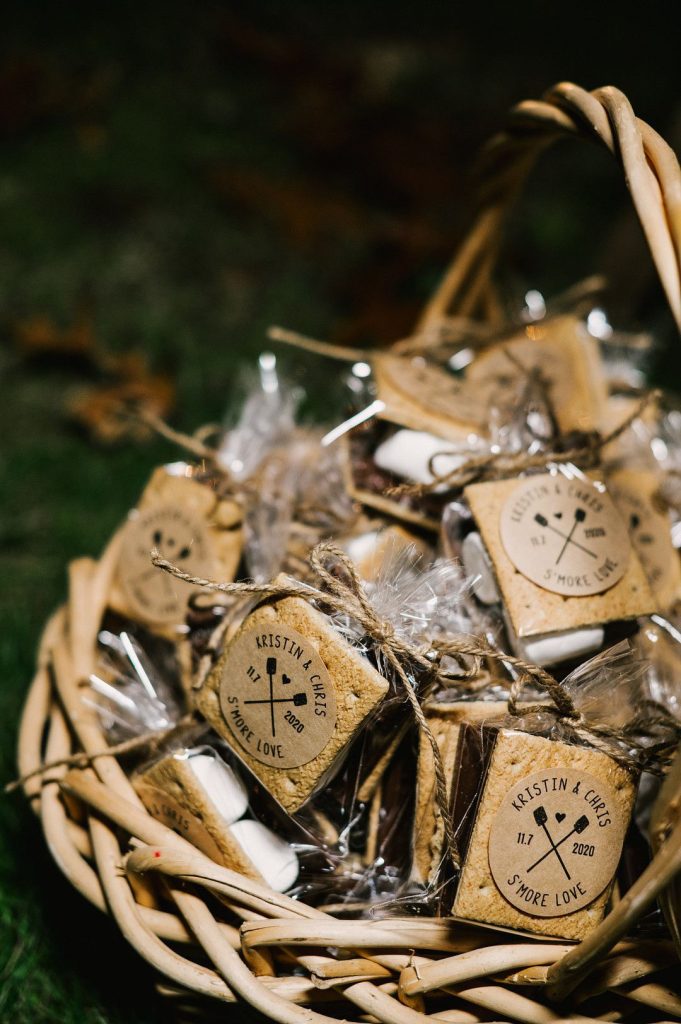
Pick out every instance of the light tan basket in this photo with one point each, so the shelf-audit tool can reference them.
(293, 963)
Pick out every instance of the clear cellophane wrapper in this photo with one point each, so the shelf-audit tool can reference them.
(627, 730)
(353, 836)
(360, 810)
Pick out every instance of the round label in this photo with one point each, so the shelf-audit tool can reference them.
(277, 697)
(153, 594)
(555, 842)
(565, 535)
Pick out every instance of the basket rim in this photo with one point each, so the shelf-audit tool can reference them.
(604, 116)
(83, 811)
(89, 854)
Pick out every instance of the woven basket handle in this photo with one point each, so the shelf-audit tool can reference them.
(651, 171)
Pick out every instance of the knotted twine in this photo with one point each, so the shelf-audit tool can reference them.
(495, 465)
(343, 592)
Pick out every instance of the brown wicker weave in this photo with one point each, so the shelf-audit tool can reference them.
(278, 955)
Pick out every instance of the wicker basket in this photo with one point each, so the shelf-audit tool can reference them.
(290, 962)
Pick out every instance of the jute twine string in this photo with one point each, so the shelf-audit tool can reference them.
(344, 593)
(495, 465)
(152, 740)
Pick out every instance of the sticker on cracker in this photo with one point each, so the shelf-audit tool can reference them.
(649, 526)
(556, 841)
(289, 694)
(179, 537)
(561, 558)
(565, 535)
(277, 697)
(192, 527)
(541, 826)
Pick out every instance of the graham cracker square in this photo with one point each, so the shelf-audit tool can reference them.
(569, 360)
(301, 750)
(525, 777)
(534, 610)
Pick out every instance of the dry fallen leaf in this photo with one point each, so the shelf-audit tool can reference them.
(114, 412)
(112, 409)
(40, 336)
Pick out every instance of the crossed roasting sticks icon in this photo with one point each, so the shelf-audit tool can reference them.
(580, 516)
(298, 700)
(541, 817)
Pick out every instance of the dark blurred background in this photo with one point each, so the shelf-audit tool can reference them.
(173, 179)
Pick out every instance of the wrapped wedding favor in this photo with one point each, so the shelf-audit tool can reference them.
(540, 389)
(541, 802)
(553, 547)
(289, 693)
(182, 515)
(542, 845)
(371, 719)
(427, 420)
(564, 354)
(197, 793)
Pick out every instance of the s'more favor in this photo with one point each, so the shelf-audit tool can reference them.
(429, 421)
(203, 798)
(540, 825)
(183, 516)
(566, 357)
(553, 551)
(289, 694)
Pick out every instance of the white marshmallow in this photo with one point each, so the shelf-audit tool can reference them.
(361, 547)
(553, 648)
(270, 854)
(178, 469)
(408, 452)
(222, 786)
(476, 563)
